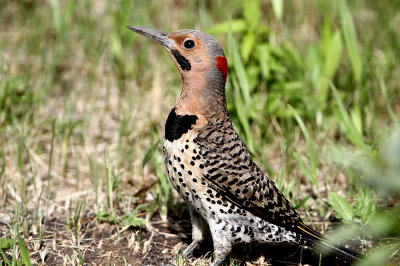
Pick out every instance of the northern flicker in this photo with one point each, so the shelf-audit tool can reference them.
(207, 163)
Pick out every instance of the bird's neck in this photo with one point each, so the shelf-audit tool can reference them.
(200, 96)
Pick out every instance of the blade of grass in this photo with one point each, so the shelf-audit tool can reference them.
(5, 244)
(243, 118)
(235, 25)
(394, 117)
(302, 202)
(350, 38)
(24, 250)
(341, 206)
(50, 164)
(277, 6)
(332, 56)
(109, 181)
(241, 77)
(311, 152)
(346, 123)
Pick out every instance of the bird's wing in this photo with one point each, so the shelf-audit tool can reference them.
(230, 170)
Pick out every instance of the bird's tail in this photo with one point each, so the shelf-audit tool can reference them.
(329, 253)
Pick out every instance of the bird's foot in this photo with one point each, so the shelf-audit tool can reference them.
(189, 250)
(217, 262)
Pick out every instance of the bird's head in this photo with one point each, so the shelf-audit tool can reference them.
(199, 58)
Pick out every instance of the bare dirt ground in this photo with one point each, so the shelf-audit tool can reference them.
(103, 243)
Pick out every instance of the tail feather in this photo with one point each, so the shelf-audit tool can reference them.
(328, 251)
(335, 254)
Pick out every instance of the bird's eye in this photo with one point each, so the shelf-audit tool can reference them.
(188, 43)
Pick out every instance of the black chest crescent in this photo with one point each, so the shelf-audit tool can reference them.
(178, 125)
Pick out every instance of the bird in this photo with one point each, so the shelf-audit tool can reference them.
(229, 197)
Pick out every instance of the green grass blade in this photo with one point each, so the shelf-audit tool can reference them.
(264, 60)
(341, 207)
(364, 207)
(150, 152)
(311, 152)
(247, 45)
(241, 77)
(5, 257)
(345, 121)
(6, 244)
(302, 202)
(394, 117)
(350, 38)
(281, 178)
(332, 55)
(277, 6)
(24, 250)
(303, 168)
(236, 25)
(109, 181)
(252, 13)
(242, 114)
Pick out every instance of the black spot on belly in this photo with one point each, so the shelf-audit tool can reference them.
(178, 125)
(182, 61)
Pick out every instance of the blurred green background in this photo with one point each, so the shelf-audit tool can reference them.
(313, 90)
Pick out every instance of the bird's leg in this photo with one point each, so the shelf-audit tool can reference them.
(222, 245)
(199, 230)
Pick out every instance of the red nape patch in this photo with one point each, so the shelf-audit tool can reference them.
(222, 65)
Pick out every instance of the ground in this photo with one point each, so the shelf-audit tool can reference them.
(107, 243)
(101, 243)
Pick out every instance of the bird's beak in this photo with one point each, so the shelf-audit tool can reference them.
(155, 35)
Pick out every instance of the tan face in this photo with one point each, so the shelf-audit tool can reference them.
(189, 53)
